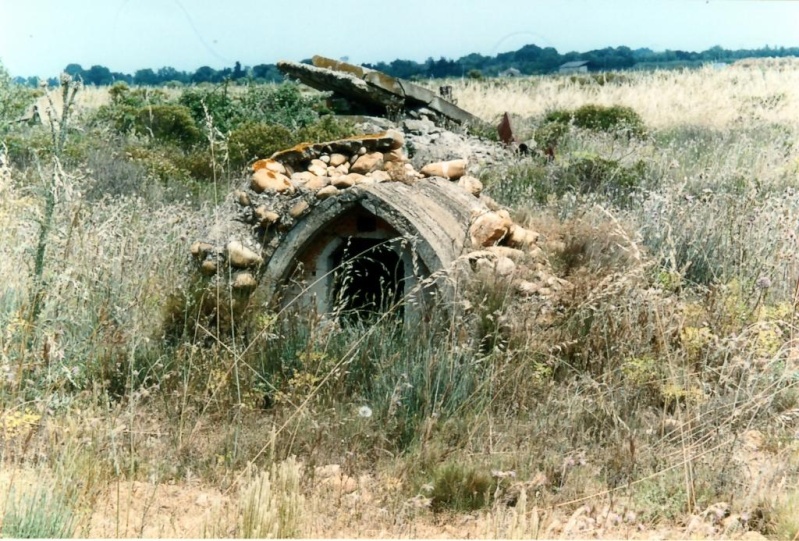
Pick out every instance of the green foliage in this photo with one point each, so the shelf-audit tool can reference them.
(121, 94)
(327, 128)
(216, 103)
(583, 174)
(161, 163)
(549, 134)
(168, 123)
(126, 106)
(461, 488)
(25, 145)
(616, 119)
(283, 104)
(14, 99)
(253, 140)
(483, 130)
(37, 515)
(594, 174)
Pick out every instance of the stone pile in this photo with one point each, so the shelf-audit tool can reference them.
(285, 188)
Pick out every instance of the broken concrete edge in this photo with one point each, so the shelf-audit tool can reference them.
(373, 88)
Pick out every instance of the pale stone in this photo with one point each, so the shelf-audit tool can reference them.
(303, 177)
(395, 156)
(265, 180)
(344, 181)
(325, 159)
(199, 249)
(452, 170)
(361, 151)
(298, 209)
(243, 198)
(240, 256)
(504, 266)
(318, 170)
(327, 191)
(325, 472)
(317, 183)
(506, 251)
(526, 287)
(368, 163)
(521, 237)
(342, 483)
(397, 139)
(208, 267)
(266, 216)
(471, 185)
(244, 281)
(488, 229)
(337, 159)
(380, 176)
(271, 165)
(319, 162)
(344, 168)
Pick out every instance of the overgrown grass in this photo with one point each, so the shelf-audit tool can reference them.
(663, 382)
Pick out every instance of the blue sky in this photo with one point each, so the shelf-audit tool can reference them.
(40, 37)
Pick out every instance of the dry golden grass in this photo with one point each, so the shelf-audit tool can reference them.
(660, 394)
(716, 98)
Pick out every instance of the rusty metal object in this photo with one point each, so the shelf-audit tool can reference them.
(505, 130)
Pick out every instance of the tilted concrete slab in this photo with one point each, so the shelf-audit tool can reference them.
(373, 88)
(343, 83)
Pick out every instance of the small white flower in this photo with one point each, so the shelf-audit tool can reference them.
(365, 412)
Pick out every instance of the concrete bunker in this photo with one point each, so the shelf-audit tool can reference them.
(351, 229)
(375, 249)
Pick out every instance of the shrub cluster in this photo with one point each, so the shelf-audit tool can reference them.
(617, 119)
(171, 137)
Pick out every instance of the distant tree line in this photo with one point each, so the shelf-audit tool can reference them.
(529, 60)
(532, 60)
(102, 76)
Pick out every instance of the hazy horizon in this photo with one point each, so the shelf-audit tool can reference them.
(40, 37)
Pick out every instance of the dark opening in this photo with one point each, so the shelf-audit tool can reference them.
(368, 279)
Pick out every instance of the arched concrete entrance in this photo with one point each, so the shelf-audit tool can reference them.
(374, 248)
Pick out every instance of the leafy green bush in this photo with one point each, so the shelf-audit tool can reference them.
(583, 174)
(14, 99)
(216, 103)
(169, 123)
(283, 104)
(253, 140)
(594, 174)
(615, 119)
(328, 128)
(121, 94)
